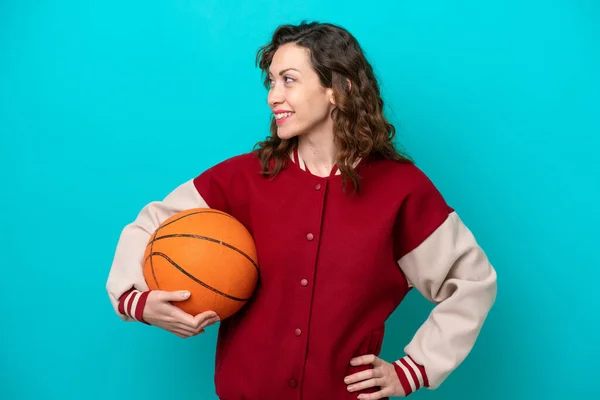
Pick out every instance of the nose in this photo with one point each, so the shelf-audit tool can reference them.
(275, 95)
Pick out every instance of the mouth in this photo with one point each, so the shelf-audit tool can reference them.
(280, 118)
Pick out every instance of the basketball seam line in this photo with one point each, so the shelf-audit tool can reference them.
(169, 223)
(195, 213)
(189, 235)
(151, 261)
(193, 277)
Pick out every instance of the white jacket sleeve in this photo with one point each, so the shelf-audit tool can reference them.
(451, 270)
(126, 270)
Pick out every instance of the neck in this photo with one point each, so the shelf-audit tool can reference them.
(318, 151)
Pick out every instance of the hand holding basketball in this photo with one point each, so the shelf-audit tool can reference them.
(159, 311)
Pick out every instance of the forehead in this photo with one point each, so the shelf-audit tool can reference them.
(290, 55)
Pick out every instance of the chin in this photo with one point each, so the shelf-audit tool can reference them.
(286, 134)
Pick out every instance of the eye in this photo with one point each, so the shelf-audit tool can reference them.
(287, 79)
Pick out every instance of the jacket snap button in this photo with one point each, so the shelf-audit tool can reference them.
(293, 383)
(310, 236)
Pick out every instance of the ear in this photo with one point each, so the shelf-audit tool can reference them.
(330, 95)
(349, 84)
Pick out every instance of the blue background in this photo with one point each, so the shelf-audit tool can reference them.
(108, 105)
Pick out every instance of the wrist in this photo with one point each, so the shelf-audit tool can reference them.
(412, 376)
(132, 304)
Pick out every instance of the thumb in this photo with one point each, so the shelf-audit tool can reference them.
(178, 295)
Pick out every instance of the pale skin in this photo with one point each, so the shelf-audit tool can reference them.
(294, 88)
(160, 312)
(382, 374)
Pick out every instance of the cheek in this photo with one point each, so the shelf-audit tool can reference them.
(313, 105)
(294, 100)
(319, 100)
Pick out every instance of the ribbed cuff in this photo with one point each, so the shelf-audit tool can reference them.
(132, 303)
(412, 375)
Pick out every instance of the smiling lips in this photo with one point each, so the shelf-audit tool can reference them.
(282, 115)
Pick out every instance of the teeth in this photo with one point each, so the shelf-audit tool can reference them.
(282, 115)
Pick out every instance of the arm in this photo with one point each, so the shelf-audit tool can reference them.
(126, 284)
(447, 266)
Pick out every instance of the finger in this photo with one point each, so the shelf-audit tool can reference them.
(203, 319)
(196, 331)
(184, 329)
(377, 395)
(366, 359)
(178, 295)
(179, 333)
(204, 325)
(209, 322)
(374, 382)
(186, 332)
(363, 375)
(201, 328)
(182, 317)
(205, 315)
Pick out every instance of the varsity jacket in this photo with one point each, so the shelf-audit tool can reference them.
(333, 266)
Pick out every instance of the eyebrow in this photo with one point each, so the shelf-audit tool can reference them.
(283, 71)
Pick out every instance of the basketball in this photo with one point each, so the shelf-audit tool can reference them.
(208, 253)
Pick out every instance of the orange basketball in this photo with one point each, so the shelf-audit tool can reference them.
(207, 252)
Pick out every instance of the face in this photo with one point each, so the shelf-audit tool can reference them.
(299, 102)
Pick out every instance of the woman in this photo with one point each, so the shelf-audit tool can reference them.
(344, 227)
